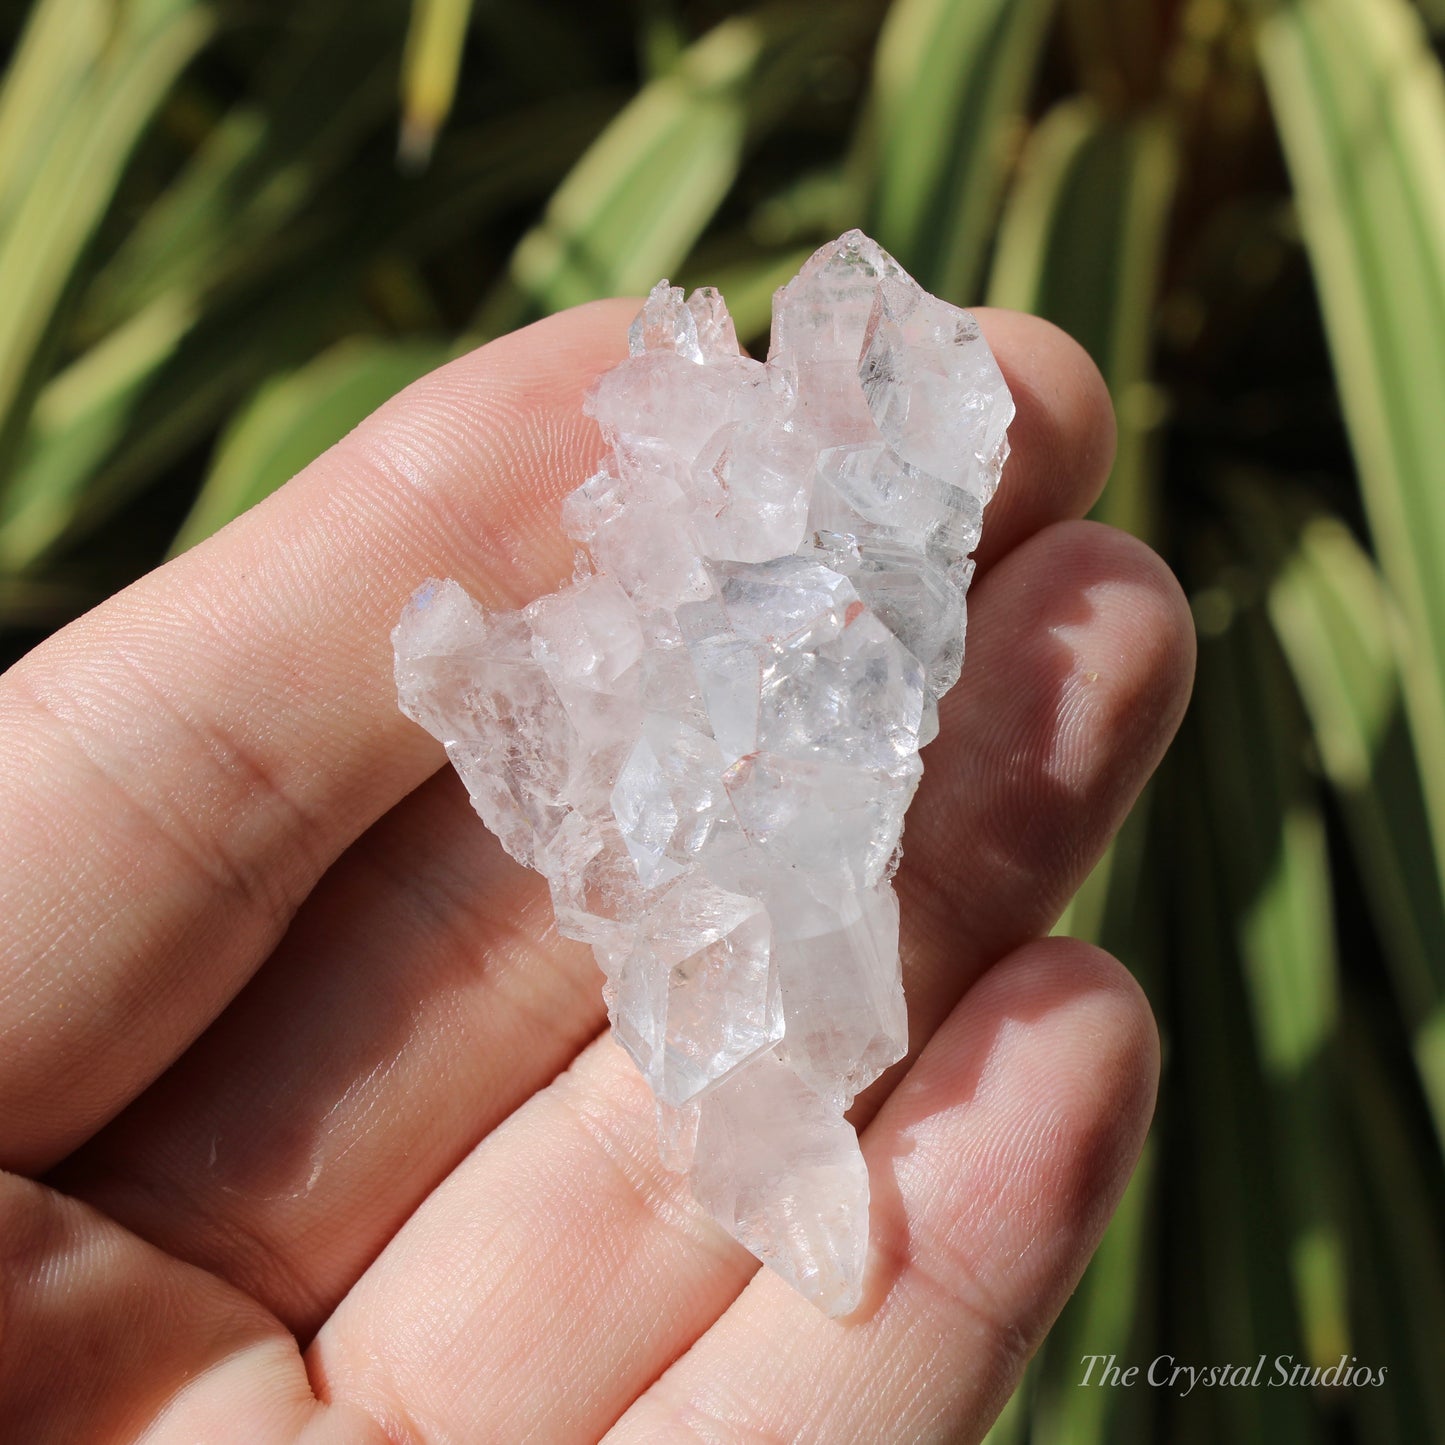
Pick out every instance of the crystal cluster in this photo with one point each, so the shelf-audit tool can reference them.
(707, 742)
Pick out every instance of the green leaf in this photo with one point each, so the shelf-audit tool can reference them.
(1081, 242)
(1275, 870)
(161, 380)
(61, 46)
(632, 208)
(429, 69)
(1341, 634)
(1432, 12)
(76, 421)
(296, 417)
(1401, 1278)
(60, 202)
(261, 169)
(950, 84)
(1231, 1290)
(1360, 102)
(147, 408)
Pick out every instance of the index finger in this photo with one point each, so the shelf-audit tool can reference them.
(178, 767)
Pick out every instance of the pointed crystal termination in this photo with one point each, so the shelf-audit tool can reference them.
(708, 741)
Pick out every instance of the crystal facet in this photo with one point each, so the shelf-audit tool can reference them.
(707, 742)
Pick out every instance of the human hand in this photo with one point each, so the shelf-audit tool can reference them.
(312, 1131)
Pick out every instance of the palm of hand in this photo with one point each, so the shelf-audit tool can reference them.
(311, 1130)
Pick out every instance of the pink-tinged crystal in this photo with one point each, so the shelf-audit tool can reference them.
(708, 742)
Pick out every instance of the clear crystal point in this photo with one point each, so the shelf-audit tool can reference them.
(707, 742)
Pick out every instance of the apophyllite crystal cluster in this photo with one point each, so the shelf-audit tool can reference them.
(708, 740)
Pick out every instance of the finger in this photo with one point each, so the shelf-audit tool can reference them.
(408, 1011)
(1076, 683)
(1062, 437)
(178, 767)
(994, 1167)
(563, 1215)
(339, 1064)
(106, 1338)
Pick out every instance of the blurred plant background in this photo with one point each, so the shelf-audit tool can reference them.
(228, 230)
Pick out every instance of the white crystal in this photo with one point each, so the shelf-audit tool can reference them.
(780, 1169)
(707, 745)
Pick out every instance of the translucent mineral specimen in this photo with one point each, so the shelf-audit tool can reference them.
(707, 742)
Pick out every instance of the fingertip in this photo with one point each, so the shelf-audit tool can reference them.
(1139, 619)
(1058, 998)
(1063, 436)
(1024, 1119)
(1102, 1027)
(1079, 668)
(586, 338)
(470, 464)
(1096, 1093)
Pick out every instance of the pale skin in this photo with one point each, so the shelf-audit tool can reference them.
(312, 1127)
